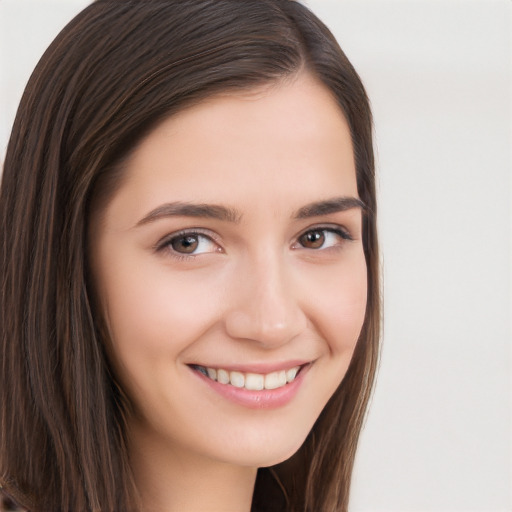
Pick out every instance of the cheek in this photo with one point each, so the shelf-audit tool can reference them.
(341, 305)
(155, 313)
(153, 317)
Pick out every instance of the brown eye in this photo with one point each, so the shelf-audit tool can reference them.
(323, 238)
(188, 244)
(185, 244)
(313, 239)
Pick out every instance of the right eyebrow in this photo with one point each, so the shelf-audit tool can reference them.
(199, 210)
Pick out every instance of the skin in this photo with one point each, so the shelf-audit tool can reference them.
(254, 291)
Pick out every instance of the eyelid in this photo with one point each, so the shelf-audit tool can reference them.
(343, 232)
(163, 243)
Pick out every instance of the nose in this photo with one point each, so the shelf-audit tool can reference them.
(266, 309)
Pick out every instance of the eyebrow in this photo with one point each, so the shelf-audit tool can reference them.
(181, 209)
(226, 214)
(334, 205)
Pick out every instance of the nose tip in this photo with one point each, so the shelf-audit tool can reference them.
(268, 313)
(267, 331)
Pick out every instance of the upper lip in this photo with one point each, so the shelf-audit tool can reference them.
(256, 367)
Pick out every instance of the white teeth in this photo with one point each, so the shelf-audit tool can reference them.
(223, 376)
(237, 379)
(291, 373)
(275, 380)
(252, 381)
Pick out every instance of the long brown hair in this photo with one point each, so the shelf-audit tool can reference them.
(110, 76)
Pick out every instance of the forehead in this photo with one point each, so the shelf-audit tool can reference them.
(288, 140)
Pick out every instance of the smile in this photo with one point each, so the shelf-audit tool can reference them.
(250, 381)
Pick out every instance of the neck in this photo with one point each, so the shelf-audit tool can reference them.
(171, 479)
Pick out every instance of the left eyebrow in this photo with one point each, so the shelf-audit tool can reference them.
(334, 205)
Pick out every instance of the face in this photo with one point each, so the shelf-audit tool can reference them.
(230, 270)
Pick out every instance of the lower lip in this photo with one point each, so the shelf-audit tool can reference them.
(264, 399)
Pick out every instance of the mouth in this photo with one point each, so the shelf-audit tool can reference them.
(251, 381)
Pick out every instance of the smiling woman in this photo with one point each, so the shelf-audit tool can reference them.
(190, 302)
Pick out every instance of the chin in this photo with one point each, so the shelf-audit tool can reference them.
(267, 450)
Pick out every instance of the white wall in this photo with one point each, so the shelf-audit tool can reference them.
(438, 437)
(439, 75)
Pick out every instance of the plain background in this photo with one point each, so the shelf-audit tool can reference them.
(438, 437)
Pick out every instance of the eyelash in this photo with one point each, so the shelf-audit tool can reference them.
(342, 233)
(165, 244)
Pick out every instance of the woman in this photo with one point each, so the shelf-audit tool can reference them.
(190, 299)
